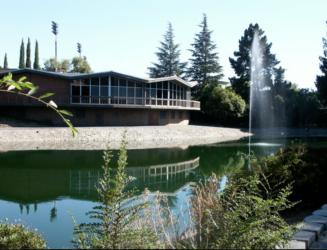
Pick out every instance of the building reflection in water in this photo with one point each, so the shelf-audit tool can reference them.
(164, 177)
(30, 186)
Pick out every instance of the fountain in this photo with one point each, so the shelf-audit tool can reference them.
(260, 113)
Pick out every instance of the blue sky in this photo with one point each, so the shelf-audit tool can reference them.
(123, 35)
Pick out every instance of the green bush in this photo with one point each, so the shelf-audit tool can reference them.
(17, 236)
(222, 104)
(117, 221)
(241, 216)
(302, 166)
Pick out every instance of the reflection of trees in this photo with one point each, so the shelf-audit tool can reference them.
(53, 212)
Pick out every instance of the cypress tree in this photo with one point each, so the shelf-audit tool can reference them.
(22, 56)
(36, 64)
(168, 58)
(28, 54)
(321, 80)
(5, 62)
(242, 61)
(204, 61)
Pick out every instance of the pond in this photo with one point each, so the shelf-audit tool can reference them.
(46, 189)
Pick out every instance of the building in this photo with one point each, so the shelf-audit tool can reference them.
(103, 99)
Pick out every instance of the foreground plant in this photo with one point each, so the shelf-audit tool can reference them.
(27, 89)
(118, 219)
(17, 236)
(240, 216)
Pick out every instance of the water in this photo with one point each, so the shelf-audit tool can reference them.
(260, 113)
(44, 189)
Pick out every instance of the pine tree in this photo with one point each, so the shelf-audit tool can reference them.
(168, 58)
(5, 62)
(36, 64)
(321, 80)
(204, 62)
(28, 54)
(242, 61)
(22, 56)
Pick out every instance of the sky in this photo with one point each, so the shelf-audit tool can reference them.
(124, 35)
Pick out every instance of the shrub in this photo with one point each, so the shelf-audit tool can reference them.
(17, 236)
(300, 165)
(117, 220)
(240, 216)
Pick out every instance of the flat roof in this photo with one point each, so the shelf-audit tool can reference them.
(75, 76)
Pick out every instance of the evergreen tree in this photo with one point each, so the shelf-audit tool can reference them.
(5, 62)
(36, 64)
(28, 54)
(281, 86)
(321, 80)
(242, 61)
(204, 61)
(168, 58)
(22, 55)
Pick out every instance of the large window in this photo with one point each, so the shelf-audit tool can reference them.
(115, 90)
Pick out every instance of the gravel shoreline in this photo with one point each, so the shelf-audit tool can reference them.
(138, 137)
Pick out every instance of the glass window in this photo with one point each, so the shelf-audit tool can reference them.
(122, 82)
(159, 85)
(153, 93)
(139, 85)
(95, 81)
(85, 90)
(104, 81)
(130, 92)
(165, 94)
(122, 91)
(159, 93)
(104, 91)
(85, 81)
(76, 91)
(131, 84)
(114, 91)
(139, 92)
(165, 85)
(114, 81)
(94, 91)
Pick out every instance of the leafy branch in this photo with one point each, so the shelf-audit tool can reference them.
(27, 89)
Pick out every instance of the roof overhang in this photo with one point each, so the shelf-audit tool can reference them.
(75, 76)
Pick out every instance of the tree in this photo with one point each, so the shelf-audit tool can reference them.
(28, 54)
(36, 64)
(53, 65)
(22, 56)
(204, 60)
(80, 65)
(5, 62)
(321, 80)
(242, 61)
(222, 104)
(168, 58)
